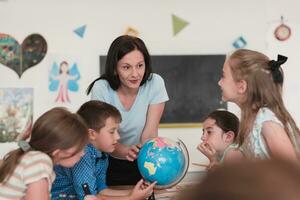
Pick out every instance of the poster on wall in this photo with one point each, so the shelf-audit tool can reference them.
(16, 112)
(63, 78)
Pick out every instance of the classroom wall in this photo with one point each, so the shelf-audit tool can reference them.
(213, 26)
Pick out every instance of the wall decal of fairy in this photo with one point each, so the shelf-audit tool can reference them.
(63, 78)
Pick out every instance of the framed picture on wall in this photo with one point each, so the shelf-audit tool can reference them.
(16, 111)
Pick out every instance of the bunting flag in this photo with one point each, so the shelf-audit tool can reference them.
(178, 24)
(80, 31)
(240, 42)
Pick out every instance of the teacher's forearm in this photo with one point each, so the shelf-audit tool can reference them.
(147, 136)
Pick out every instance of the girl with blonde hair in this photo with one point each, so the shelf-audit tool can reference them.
(254, 82)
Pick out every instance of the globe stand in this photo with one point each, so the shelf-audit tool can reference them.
(186, 167)
(184, 148)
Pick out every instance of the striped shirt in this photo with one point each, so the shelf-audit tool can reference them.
(33, 166)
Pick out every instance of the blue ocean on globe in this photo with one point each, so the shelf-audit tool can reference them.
(162, 160)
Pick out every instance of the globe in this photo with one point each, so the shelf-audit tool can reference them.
(163, 160)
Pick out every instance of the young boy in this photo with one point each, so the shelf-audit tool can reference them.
(90, 172)
(220, 130)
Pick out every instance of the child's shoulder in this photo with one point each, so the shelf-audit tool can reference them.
(265, 111)
(92, 152)
(266, 114)
(36, 155)
(35, 165)
(233, 153)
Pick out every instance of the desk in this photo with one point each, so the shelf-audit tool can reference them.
(166, 194)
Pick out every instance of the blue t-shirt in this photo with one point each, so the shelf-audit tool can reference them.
(133, 120)
(91, 169)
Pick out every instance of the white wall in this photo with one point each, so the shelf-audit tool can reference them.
(213, 27)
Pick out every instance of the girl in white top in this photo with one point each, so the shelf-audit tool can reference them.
(254, 82)
(220, 129)
(57, 137)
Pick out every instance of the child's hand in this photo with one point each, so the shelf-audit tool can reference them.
(213, 165)
(133, 152)
(142, 190)
(208, 151)
(91, 197)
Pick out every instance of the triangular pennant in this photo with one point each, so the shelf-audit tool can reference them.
(80, 31)
(178, 24)
(131, 31)
(240, 42)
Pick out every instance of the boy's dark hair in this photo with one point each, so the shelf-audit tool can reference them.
(95, 113)
(226, 120)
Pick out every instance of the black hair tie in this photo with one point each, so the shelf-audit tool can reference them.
(275, 68)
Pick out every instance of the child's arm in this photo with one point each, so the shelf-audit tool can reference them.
(277, 141)
(208, 151)
(115, 192)
(233, 155)
(38, 190)
(139, 192)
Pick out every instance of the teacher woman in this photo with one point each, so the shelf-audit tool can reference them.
(140, 95)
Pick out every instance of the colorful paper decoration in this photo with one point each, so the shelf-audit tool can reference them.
(22, 57)
(80, 31)
(240, 42)
(178, 24)
(282, 32)
(131, 31)
(63, 78)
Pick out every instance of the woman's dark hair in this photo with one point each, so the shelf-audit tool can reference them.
(121, 46)
(226, 120)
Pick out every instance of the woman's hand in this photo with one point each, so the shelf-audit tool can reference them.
(133, 151)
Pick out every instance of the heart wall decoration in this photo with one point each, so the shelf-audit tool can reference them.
(22, 57)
